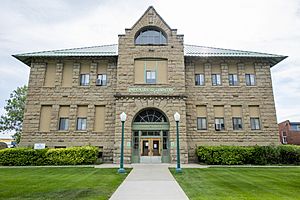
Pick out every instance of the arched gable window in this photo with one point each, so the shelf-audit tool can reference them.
(150, 115)
(150, 36)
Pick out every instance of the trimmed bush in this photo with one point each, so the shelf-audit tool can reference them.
(72, 156)
(224, 155)
(67, 156)
(258, 155)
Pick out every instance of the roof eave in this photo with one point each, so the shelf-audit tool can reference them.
(278, 60)
(24, 59)
(273, 60)
(28, 59)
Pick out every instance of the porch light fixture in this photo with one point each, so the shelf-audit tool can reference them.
(177, 119)
(123, 119)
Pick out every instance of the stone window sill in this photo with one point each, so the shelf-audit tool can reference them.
(151, 84)
(202, 131)
(63, 131)
(80, 131)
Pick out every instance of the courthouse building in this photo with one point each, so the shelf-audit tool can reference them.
(75, 96)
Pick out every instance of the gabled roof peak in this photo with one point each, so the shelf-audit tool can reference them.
(151, 11)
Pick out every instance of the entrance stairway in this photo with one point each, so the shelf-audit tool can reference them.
(150, 159)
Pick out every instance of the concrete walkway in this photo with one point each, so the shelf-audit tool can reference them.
(149, 181)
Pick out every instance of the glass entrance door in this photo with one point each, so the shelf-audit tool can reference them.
(156, 148)
(150, 147)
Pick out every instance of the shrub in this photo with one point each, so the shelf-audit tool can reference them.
(68, 156)
(72, 156)
(289, 154)
(259, 155)
(224, 155)
(263, 155)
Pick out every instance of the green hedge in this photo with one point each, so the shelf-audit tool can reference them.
(258, 155)
(67, 156)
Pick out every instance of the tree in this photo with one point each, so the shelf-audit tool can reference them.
(12, 120)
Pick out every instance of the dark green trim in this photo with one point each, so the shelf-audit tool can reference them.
(150, 126)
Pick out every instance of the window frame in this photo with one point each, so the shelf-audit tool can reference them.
(79, 126)
(205, 123)
(237, 126)
(257, 126)
(151, 80)
(60, 127)
(284, 139)
(250, 79)
(201, 80)
(144, 38)
(222, 124)
(84, 80)
(103, 82)
(232, 81)
(216, 80)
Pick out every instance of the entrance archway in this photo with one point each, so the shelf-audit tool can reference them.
(150, 137)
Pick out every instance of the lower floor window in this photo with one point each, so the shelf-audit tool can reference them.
(255, 124)
(136, 140)
(63, 124)
(237, 123)
(165, 140)
(219, 124)
(59, 147)
(201, 123)
(81, 124)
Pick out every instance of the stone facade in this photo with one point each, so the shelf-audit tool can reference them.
(184, 97)
(57, 95)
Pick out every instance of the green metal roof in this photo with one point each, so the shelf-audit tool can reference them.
(112, 50)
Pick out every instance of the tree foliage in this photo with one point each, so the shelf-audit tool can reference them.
(12, 120)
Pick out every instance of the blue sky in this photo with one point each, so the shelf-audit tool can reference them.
(271, 26)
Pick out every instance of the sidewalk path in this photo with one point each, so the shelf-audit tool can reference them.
(149, 181)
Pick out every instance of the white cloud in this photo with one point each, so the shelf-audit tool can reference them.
(267, 26)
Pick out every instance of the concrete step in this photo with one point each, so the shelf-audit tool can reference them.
(150, 159)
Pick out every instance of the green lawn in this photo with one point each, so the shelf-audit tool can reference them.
(58, 183)
(240, 183)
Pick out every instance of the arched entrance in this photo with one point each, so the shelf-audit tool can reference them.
(150, 137)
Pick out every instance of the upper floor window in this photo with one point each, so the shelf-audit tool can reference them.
(150, 76)
(101, 79)
(150, 36)
(151, 71)
(216, 79)
(84, 79)
(233, 79)
(199, 79)
(250, 79)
